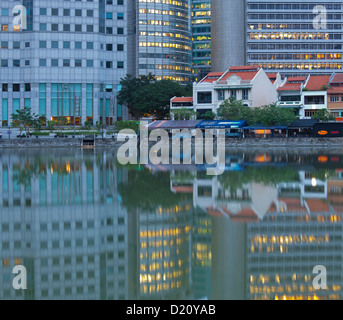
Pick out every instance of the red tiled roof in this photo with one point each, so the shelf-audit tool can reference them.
(338, 78)
(316, 83)
(335, 90)
(272, 75)
(252, 68)
(290, 87)
(212, 76)
(245, 75)
(293, 79)
(182, 99)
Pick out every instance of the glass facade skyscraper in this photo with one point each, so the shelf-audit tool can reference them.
(163, 39)
(290, 37)
(201, 37)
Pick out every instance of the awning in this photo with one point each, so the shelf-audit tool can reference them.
(302, 124)
(174, 124)
(276, 127)
(221, 124)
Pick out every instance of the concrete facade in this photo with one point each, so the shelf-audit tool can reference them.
(67, 61)
(228, 34)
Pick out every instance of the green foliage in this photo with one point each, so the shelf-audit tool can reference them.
(269, 115)
(184, 114)
(51, 125)
(269, 176)
(323, 115)
(148, 96)
(149, 191)
(99, 125)
(209, 115)
(88, 125)
(24, 119)
(120, 125)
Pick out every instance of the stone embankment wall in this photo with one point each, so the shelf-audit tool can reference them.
(248, 142)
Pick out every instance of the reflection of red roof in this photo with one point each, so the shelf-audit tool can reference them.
(183, 189)
(292, 204)
(182, 99)
(338, 78)
(214, 212)
(317, 205)
(212, 77)
(317, 82)
(338, 209)
(245, 215)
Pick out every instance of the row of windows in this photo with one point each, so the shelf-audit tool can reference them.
(293, 6)
(67, 28)
(171, 2)
(164, 67)
(62, 62)
(298, 66)
(178, 57)
(290, 46)
(295, 36)
(77, 13)
(304, 56)
(62, 44)
(291, 26)
(289, 16)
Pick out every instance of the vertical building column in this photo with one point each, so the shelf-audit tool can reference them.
(96, 103)
(83, 109)
(48, 101)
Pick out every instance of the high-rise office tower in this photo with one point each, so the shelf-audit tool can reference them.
(201, 37)
(228, 34)
(163, 44)
(290, 37)
(65, 61)
(294, 37)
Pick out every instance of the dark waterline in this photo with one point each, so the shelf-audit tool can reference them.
(86, 227)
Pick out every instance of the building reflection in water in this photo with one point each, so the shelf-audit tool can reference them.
(88, 228)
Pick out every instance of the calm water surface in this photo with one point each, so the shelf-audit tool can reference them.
(86, 227)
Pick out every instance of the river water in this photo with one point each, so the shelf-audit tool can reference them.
(86, 227)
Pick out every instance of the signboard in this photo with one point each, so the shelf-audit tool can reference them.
(328, 129)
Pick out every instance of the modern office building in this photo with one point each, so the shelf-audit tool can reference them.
(290, 37)
(201, 38)
(163, 44)
(67, 61)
